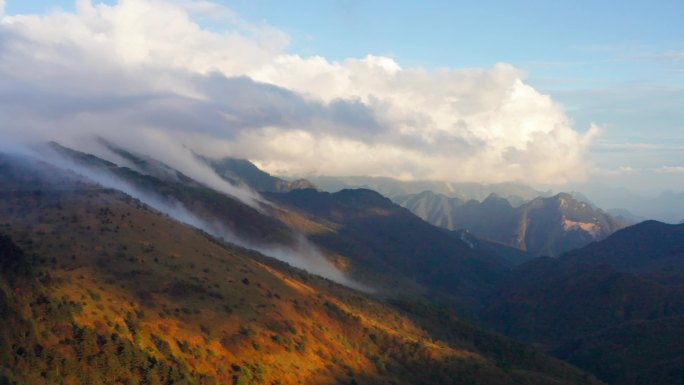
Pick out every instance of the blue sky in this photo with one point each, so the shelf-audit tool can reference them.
(616, 63)
(619, 64)
(561, 43)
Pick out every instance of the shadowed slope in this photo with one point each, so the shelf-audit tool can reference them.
(390, 238)
(126, 295)
(606, 306)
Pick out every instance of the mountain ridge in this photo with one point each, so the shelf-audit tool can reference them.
(630, 284)
(543, 225)
(121, 293)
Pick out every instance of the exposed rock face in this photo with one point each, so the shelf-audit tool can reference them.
(542, 226)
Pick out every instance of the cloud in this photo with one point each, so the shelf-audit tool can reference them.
(303, 254)
(670, 170)
(636, 147)
(667, 56)
(616, 172)
(147, 74)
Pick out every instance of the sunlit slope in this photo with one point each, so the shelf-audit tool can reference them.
(119, 293)
(367, 236)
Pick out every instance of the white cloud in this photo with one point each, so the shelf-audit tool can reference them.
(616, 172)
(670, 170)
(145, 73)
(633, 147)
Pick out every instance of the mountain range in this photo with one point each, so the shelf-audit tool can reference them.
(375, 241)
(665, 206)
(541, 226)
(391, 188)
(129, 271)
(98, 287)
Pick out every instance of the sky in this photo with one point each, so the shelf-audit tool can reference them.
(546, 93)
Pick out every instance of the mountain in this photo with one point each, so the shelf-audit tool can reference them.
(635, 352)
(551, 302)
(363, 233)
(666, 206)
(437, 209)
(172, 188)
(650, 249)
(243, 171)
(625, 216)
(542, 226)
(556, 224)
(392, 188)
(97, 287)
(373, 231)
(611, 307)
(509, 254)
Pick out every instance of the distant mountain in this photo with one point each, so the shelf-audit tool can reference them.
(580, 197)
(554, 225)
(437, 209)
(543, 226)
(392, 188)
(242, 171)
(667, 206)
(611, 307)
(625, 216)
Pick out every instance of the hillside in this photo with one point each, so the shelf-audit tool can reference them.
(98, 288)
(613, 307)
(173, 189)
(363, 233)
(511, 255)
(635, 352)
(651, 249)
(542, 226)
(373, 231)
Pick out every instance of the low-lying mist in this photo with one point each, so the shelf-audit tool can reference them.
(303, 254)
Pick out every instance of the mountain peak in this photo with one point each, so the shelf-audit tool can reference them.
(243, 171)
(495, 199)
